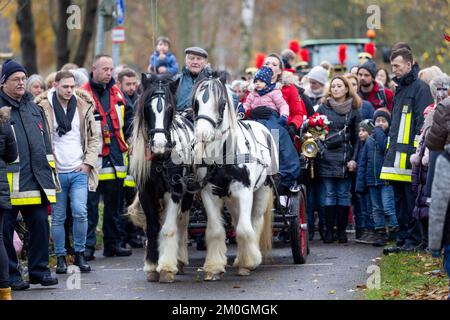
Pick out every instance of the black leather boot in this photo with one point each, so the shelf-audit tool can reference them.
(61, 265)
(330, 223)
(381, 237)
(81, 262)
(342, 223)
(116, 251)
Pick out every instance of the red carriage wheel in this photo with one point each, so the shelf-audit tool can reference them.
(299, 228)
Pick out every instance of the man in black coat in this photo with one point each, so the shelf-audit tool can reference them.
(31, 177)
(411, 98)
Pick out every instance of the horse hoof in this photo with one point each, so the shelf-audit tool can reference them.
(180, 268)
(243, 272)
(166, 277)
(152, 276)
(210, 276)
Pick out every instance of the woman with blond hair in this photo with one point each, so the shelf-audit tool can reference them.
(341, 105)
(430, 73)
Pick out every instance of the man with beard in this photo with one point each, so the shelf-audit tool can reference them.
(370, 89)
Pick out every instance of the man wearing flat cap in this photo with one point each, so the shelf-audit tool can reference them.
(196, 68)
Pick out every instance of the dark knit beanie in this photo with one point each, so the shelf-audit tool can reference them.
(367, 124)
(369, 66)
(265, 75)
(9, 67)
(382, 112)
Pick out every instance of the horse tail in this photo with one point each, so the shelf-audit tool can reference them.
(137, 214)
(265, 241)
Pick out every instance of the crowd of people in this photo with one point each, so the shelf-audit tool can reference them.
(64, 146)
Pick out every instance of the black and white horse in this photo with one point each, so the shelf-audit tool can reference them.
(233, 160)
(161, 157)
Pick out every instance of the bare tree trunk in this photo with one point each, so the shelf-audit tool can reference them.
(247, 14)
(184, 34)
(87, 32)
(25, 22)
(62, 50)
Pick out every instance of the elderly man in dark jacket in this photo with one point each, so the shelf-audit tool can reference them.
(192, 72)
(8, 153)
(411, 98)
(31, 176)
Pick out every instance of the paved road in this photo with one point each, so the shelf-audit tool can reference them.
(331, 272)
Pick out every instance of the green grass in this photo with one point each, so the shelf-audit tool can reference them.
(410, 276)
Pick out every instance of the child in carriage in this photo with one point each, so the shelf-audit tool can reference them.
(265, 95)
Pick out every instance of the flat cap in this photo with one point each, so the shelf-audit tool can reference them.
(196, 51)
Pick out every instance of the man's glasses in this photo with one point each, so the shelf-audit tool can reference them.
(17, 80)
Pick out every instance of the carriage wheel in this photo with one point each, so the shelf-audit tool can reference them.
(299, 230)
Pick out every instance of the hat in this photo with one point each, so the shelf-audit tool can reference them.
(367, 124)
(318, 74)
(265, 75)
(369, 66)
(382, 112)
(196, 51)
(365, 55)
(9, 67)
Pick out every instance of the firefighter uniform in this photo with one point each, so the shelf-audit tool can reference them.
(33, 182)
(113, 120)
(411, 98)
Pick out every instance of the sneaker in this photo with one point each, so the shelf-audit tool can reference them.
(366, 238)
(380, 238)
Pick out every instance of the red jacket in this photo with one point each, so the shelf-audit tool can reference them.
(375, 97)
(297, 107)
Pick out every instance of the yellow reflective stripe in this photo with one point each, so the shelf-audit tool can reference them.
(416, 143)
(26, 201)
(106, 176)
(403, 157)
(407, 131)
(395, 177)
(10, 180)
(121, 175)
(51, 199)
(129, 183)
(52, 164)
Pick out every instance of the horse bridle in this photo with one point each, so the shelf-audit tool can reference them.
(160, 94)
(215, 124)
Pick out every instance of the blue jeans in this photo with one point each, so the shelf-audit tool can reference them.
(289, 164)
(337, 191)
(111, 191)
(75, 185)
(383, 206)
(365, 219)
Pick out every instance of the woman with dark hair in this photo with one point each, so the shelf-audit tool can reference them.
(8, 153)
(383, 77)
(341, 105)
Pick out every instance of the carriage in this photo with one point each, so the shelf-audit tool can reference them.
(171, 165)
(289, 220)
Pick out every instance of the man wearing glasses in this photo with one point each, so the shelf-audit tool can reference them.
(32, 178)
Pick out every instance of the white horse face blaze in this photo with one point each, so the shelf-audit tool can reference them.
(204, 130)
(159, 140)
